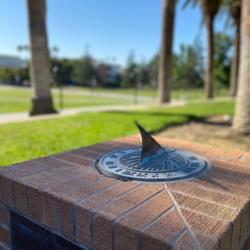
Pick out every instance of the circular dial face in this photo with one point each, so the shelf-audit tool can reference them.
(167, 166)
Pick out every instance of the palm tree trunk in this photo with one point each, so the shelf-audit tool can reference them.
(40, 64)
(235, 62)
(235, 65)
(242, 117)
(210, 61)
(165, 64)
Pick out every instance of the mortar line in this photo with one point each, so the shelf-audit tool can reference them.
(201, 199)
(116, 198)
(171, 242)
(81, 157)
(206, 215)
(195, 240)
(157, 218)
(125, 214)
(223, 192)
(71, 163)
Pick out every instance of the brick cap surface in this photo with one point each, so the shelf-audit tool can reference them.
(65, 194)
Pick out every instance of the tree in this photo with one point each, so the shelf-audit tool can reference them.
(235, 11)
(165, 63)
(222, 59)
(188, 67)
(85, 71)
(209, 10)
(42, 102)
(130, 76)
(241, 122)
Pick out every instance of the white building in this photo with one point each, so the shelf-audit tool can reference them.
(7, 61)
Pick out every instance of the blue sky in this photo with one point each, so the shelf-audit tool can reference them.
(111, 28)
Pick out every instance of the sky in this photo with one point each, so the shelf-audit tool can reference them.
(110, 29)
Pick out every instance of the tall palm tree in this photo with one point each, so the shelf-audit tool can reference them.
(209, 9)
(165, 63)
(242, 118)
(40, 64)
(235, 12)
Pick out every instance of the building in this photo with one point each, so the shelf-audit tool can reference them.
(108, 74)
(7, 61)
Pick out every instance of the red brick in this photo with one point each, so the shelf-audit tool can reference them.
(49, 212)
(214, 153)
(163, 231)
(107, 195)
(232, 155)
(84, 214)
(35, 205)
(246, 159)
(4, 215)
(102, 234)
(207, 242)
(75, 159)
(103, 221)
(146, 213)
(66, 219)
(21, 199)
(209, 226)
(236, 232)
(69, 184)
(22, 169)
(126, 232)
(83, 152)
(128, 201)
(84, 191)
(244, 223)
(232, 165)
(5, 236)
(208, 208)
(230, 176)
(7, 192)
(40, 181)
(220, 198)
(83, 227)
(184, 242)
(53, 162)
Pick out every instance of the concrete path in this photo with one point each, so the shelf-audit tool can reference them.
(23, 117)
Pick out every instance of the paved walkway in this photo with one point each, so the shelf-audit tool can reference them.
(23, 117)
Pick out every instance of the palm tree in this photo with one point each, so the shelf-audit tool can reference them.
(235, 12)
(40, 64)
(165, 61)
(242, 118)
(209, 9)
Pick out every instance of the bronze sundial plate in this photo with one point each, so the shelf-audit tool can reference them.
(167, 165)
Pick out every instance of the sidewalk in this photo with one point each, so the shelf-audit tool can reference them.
(23, 117)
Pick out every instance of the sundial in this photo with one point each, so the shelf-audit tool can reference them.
(151, 162)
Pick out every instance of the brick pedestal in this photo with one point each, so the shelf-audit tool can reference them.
(65, 194)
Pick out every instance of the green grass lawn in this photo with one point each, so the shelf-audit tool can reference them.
(27, 140)
(18, 99)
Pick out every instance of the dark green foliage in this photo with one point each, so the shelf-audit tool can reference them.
(222, 59)
(63, 71)
(188, 67)
(14, 76)
(129, 76)
(85, 71)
